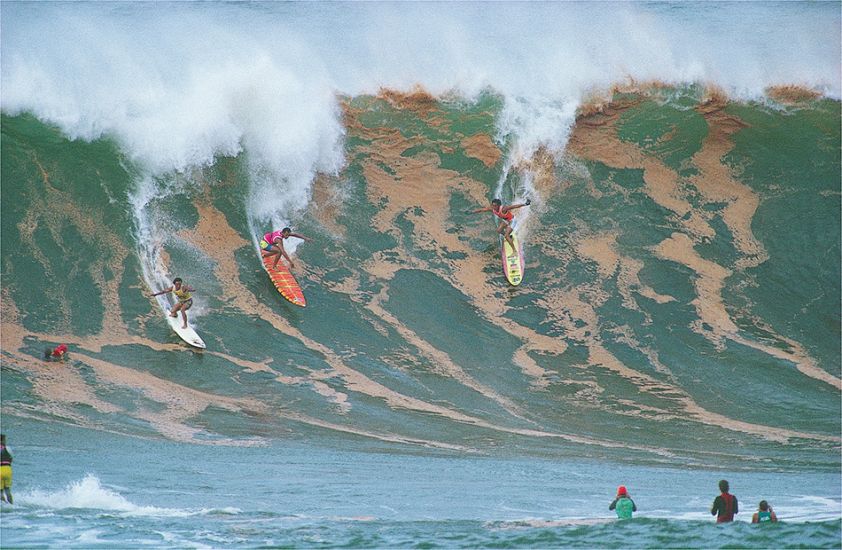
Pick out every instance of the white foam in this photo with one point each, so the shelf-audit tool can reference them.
(155, 231)
(89, 493)
(180, 84)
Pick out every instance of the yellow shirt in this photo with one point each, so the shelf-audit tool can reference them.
(182, 294)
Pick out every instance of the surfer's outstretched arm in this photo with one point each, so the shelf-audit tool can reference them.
(478, 210)
(166, 290)
(516, 206)
(302, 237)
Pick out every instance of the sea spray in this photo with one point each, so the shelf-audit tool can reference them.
(87, 492)
(178, 86)
(190, 83)
(90, 493)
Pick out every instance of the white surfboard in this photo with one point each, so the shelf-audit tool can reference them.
(188, 334)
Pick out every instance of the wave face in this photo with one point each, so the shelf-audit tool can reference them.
(680, 303)
(674, 279)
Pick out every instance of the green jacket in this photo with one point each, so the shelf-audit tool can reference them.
(624, 506)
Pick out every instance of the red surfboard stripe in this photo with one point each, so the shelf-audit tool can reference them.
(284, 281)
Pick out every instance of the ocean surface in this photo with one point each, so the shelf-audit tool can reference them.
(678, 323)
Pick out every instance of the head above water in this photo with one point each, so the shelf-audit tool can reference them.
(622, 492)
(286, 231)
(177, 281)
(723, 486)
(764, 505)
(496, 202)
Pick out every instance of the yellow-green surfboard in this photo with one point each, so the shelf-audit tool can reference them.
(513, 267)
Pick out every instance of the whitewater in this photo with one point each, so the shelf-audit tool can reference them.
(678, 322)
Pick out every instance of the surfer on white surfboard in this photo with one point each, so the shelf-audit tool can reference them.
(272, 244)
(183, 294)
(504, 212)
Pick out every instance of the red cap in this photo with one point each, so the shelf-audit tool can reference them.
(61, 348)
(621, 490)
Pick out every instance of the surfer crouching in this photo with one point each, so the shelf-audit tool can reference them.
(272, 244)
(59, 353)
(504, 212)
(182, 294)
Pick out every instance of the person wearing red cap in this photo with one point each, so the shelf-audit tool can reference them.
(623, 504)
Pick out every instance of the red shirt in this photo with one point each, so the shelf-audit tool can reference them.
(724, 506)
(508, 216)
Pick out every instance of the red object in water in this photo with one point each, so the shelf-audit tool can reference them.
(60, 350)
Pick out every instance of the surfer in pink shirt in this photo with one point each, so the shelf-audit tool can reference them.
(272, 244)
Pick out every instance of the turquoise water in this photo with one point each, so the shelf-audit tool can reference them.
(359, 494)
(678, 322)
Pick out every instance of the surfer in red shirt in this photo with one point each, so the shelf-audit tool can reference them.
(272, 244)
(57, 354)
(504, 212)
(725, 505)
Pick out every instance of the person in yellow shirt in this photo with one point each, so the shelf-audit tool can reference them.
(5, 471)
(183, 295)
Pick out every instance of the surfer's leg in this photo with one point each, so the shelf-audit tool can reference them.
(505, 230)
(184, 307)
(6, 483)
(174, 310)
(270, 250)
(273, 251)
(508, 236)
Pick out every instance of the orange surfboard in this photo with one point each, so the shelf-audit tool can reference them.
(284, 281)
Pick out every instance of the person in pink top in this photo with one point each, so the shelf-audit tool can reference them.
(272, 244)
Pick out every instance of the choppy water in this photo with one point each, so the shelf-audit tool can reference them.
(678, 323)
(362, 494)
